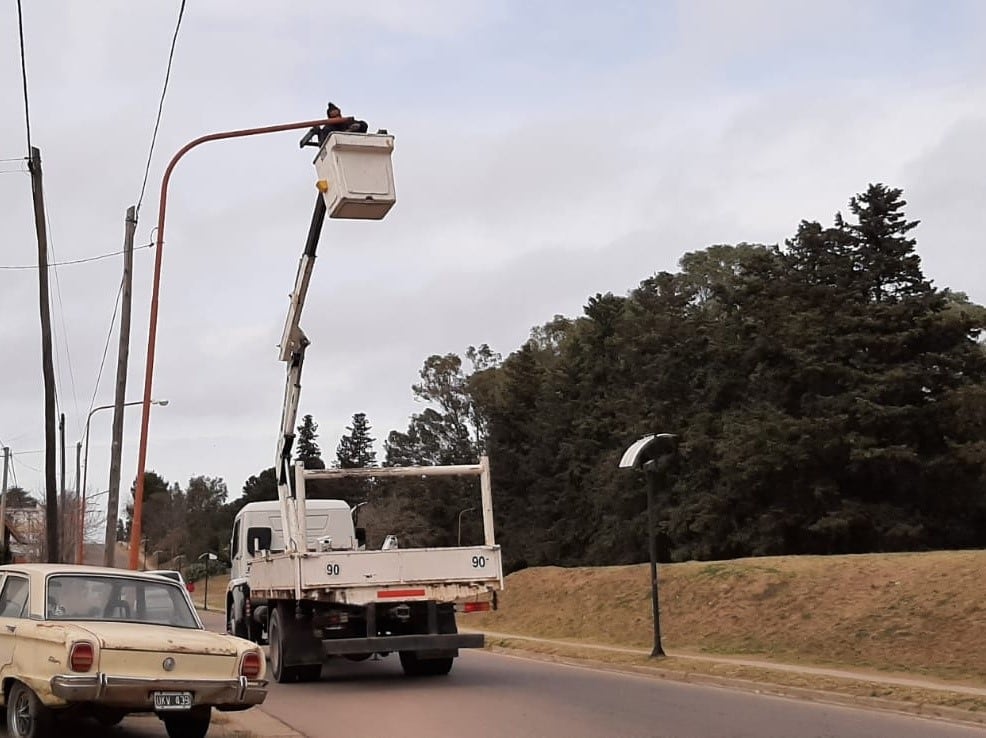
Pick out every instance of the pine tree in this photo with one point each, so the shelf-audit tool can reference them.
(355, 449)
(308, 451)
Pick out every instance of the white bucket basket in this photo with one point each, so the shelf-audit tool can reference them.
(356, 176)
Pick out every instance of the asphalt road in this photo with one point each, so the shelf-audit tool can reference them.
(491, 695)
(494, 696)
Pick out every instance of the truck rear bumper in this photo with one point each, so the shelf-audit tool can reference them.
(425, 642)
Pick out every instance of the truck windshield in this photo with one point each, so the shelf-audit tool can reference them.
(117, 599)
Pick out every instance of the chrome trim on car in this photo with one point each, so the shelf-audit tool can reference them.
(135, 692)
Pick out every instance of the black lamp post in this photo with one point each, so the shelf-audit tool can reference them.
(209, 558)
(651, 454)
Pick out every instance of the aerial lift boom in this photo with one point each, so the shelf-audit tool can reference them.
(293, 345)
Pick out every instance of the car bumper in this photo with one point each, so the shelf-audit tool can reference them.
(136, 693)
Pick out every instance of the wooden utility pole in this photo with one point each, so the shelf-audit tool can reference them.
(3, 506)
(51, 483)
(113, 496)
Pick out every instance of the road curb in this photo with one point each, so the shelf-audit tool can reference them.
(253, 723)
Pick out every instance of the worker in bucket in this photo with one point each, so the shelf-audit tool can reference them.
(323, 132)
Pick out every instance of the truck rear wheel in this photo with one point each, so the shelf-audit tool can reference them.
(414, 666)
(278, 635)
(279, 671)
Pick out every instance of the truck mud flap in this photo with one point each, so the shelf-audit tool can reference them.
(424, 642)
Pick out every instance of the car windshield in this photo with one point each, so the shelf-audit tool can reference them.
(118, 599)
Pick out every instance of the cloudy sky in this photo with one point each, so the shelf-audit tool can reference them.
(545, 151)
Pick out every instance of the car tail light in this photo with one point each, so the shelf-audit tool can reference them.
(250, 666)
(81, 656)
(476, 607)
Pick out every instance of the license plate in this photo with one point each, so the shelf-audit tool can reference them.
(172, 700)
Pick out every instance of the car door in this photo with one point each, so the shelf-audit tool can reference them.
(14, 596)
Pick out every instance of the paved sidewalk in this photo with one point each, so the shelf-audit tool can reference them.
(856, 675)
(252, 723)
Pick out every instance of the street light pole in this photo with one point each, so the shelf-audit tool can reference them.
(135, 530)
(85, 471)
(468, 509)
(645, 454)
(208, 557)
(652, 481)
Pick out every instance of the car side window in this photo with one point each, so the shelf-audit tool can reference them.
(234, 546)
(13, 597)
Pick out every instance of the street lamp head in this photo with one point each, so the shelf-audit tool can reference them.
(647, 448)
(162, 403)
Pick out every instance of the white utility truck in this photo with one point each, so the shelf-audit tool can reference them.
(302, 578)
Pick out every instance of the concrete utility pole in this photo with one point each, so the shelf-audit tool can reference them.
(80, 552)
(64, 540)
(51, 488)
(113, 498)
(3, 506)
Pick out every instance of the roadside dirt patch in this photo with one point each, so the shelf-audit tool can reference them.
(919, 614)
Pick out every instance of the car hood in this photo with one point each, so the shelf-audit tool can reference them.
(143, 637)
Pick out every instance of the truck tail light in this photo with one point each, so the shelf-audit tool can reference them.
(250, 666)
(476, 607)
(81, 656)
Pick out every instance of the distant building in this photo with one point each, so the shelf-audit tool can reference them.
(24, 535)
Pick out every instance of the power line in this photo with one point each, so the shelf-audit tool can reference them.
(106, 347)
(77, 261)
(61, 308)
(27, 114)
(14, 456)
(160, 107)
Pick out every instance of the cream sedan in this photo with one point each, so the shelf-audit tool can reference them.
(81, 641)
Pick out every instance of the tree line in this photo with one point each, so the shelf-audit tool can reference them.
(827, 398)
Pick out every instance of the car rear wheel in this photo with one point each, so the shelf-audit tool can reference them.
(26, 716)
(191, 724)
(108, 718)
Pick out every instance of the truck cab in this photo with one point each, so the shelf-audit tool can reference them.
(257, 528)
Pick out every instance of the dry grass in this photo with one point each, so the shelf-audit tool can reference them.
(217, 593)
(920, 614)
